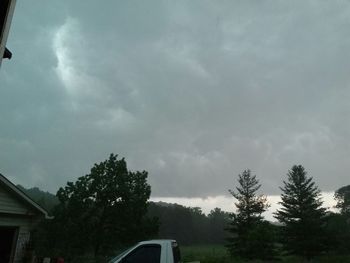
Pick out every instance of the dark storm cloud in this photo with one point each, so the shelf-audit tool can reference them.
(191, 91)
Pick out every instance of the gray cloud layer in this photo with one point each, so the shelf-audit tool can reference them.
(191, 91)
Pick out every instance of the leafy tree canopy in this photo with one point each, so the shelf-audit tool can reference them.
(102, 210)
(342, 196)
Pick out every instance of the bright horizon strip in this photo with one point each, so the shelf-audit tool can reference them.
(226, 203)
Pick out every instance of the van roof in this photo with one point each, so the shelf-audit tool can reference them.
(158, 241)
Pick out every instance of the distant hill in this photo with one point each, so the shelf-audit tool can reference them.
(164, 204)
(44, 199)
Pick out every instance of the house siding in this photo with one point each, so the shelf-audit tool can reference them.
(15, 212)
(10, 204)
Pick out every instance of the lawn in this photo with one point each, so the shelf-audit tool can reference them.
(206, 254)
(218, 254)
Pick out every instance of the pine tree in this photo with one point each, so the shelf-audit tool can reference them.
(301, 215)
(247, 223)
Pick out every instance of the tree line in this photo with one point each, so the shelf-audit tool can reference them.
(306, 229)
(188, 225)
(109, 209)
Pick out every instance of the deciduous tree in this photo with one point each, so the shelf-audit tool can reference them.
(103, 210)
(342, 196)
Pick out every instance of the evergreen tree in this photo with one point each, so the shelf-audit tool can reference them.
(246, 223)
(301, 215)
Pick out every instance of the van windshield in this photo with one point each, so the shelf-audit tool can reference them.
(120, 255)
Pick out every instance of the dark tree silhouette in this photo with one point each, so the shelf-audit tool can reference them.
(342, 196)
(101, 211)
(218, 222)
(301, 215)
(247, 222)
(338, 224)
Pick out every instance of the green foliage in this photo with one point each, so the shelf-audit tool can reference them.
(107, 210)
(250, 206)
(246, 225)
(338, 225)
(301, 215)
(261, 241)
(189, 225)
(342, 196)
(218, 222)
(101, 211)
(337, 234)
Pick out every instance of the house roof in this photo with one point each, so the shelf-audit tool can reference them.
(6, 13)
(22, 196)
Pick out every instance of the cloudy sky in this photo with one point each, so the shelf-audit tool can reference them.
(194, 92)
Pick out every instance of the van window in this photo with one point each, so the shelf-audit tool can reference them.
(144, 254)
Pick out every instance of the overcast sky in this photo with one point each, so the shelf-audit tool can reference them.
(194, 92)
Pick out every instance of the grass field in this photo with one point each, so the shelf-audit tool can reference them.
(218, 254)
(206, 254)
